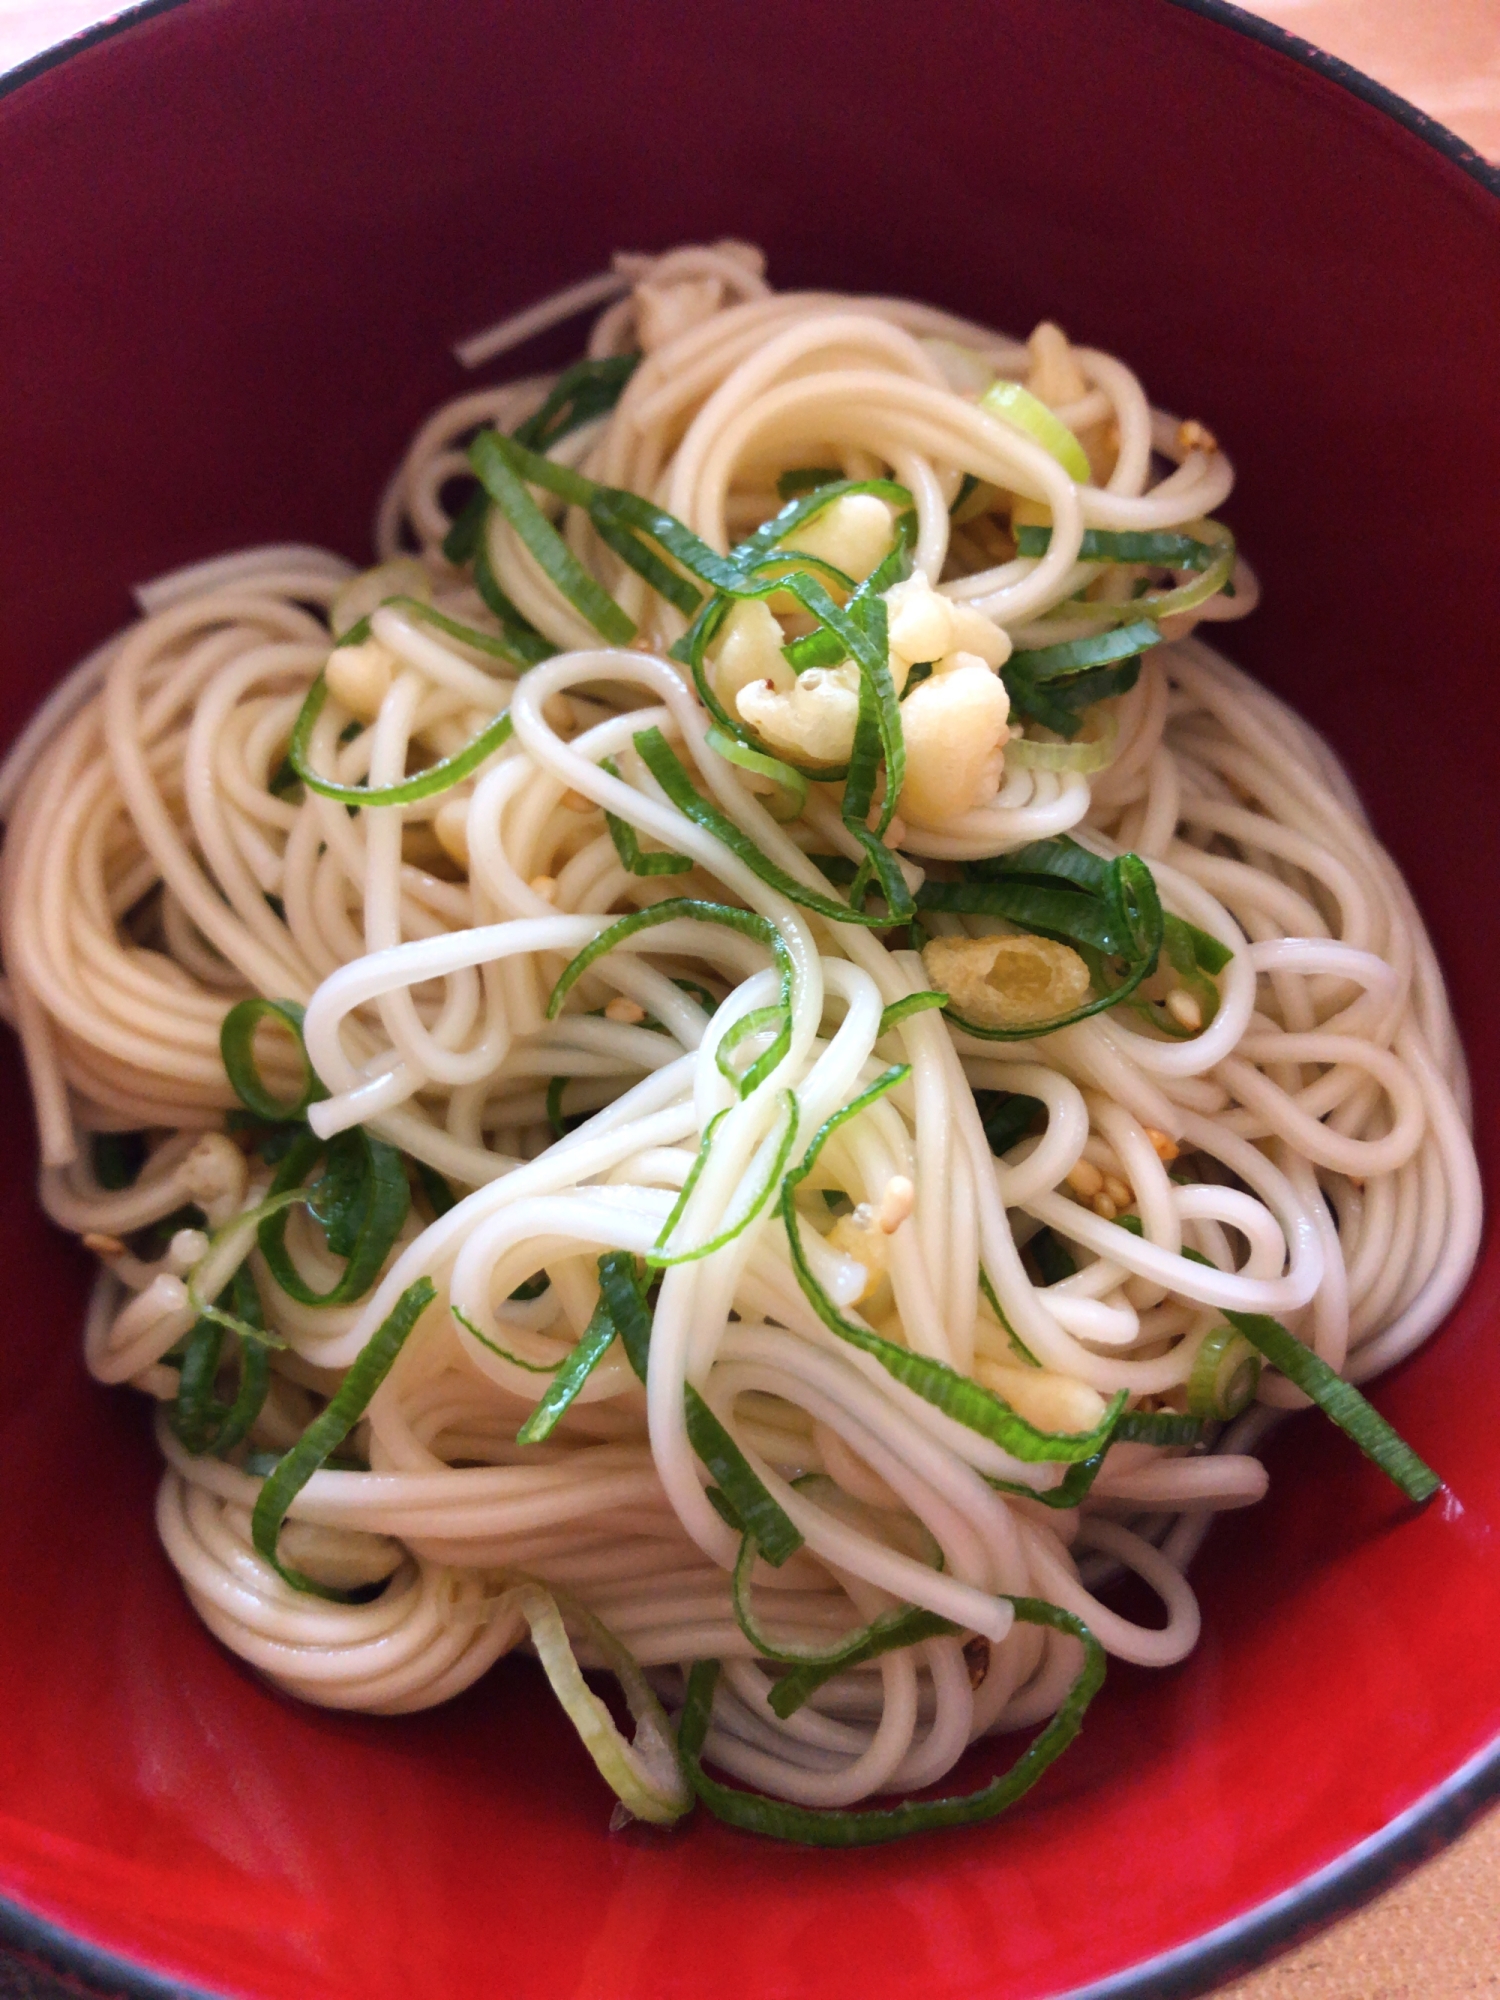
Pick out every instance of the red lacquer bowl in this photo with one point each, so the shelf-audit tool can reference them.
(236, 239)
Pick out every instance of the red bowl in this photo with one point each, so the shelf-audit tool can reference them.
(236, 240)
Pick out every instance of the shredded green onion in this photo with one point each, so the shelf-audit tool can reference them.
(665, 767)
(644, 1775)
(819, 1827)
(327, 1432)
(751, 1202)
(790, 796)
(1340, 1402)
(1017, 406)
(362, 1201)
(237, 1049)
(569, 1378)
(934, 1381)
(902, 1010)
(628, 846)
(1160, 550)
(426, 784)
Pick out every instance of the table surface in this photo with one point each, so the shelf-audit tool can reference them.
(1435, 1936)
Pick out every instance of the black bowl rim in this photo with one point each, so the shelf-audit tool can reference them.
(1413, 1836)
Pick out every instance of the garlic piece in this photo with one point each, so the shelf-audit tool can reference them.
(1007, 982)
(854, 534)
(813, 721)
(919, 621)
(749, 649)
(955, 727)
(861, 1237)
(360, 677)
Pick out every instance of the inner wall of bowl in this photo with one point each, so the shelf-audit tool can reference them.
(238, 241)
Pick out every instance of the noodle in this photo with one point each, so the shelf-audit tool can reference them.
(606, 1055)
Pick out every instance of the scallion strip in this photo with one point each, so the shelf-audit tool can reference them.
(493, 458)
(598, 1338)
(1071, 656)
(1016, 405)
(627, 845)
(790, 797)
(956, 1395)
(625, 1299)
(908, 1626)
(864, 1643)
(668, 772)
(902, 1010)
(761, 1516)
(426, 784)
(375, 1199)
(644, 1775)
(1340, 1402)
(814, 1826)
(504, 1353)
(237, 1049)
(327, 1432)
(1160, 550)
(581, 394)
(689, 908)
(660, 1257)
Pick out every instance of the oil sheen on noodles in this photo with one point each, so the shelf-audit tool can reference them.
(624, 1270)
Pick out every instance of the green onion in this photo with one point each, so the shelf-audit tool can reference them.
(674, 781)
(582, 393)
(362, 1200)
(744, 921)
(762, 1517)
(466, 530)
(1007, 1118)
(644, 1775)
(1071, 656)
(494, 459)
(623, 1301)
(504, 1353)
(1054, 1262)
(818, 1827)
(237, 1049)
(753, 1202)
(327, 1432)
(787, 801)
(1018, 1346)
(199, 1420)
(759, 1021)
(805, 479)
(628, 847)
(1340, 1402)
(423, 785)
(1017, 406)
(902, 1010)
(1158, 1427)
(865, 1643)
(426, 614)
(934, 1381)
(1060, 705)
(1162, 551)
(1225, 1377)
(439, 1195)
(598, 1338)
(527, 645)
(1094, 752)
(907, 1626)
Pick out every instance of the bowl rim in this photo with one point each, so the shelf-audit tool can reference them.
(1416, 1835)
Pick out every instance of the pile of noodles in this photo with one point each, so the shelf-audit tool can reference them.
(912, 1395)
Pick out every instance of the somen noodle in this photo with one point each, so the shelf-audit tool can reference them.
(747, 1063)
